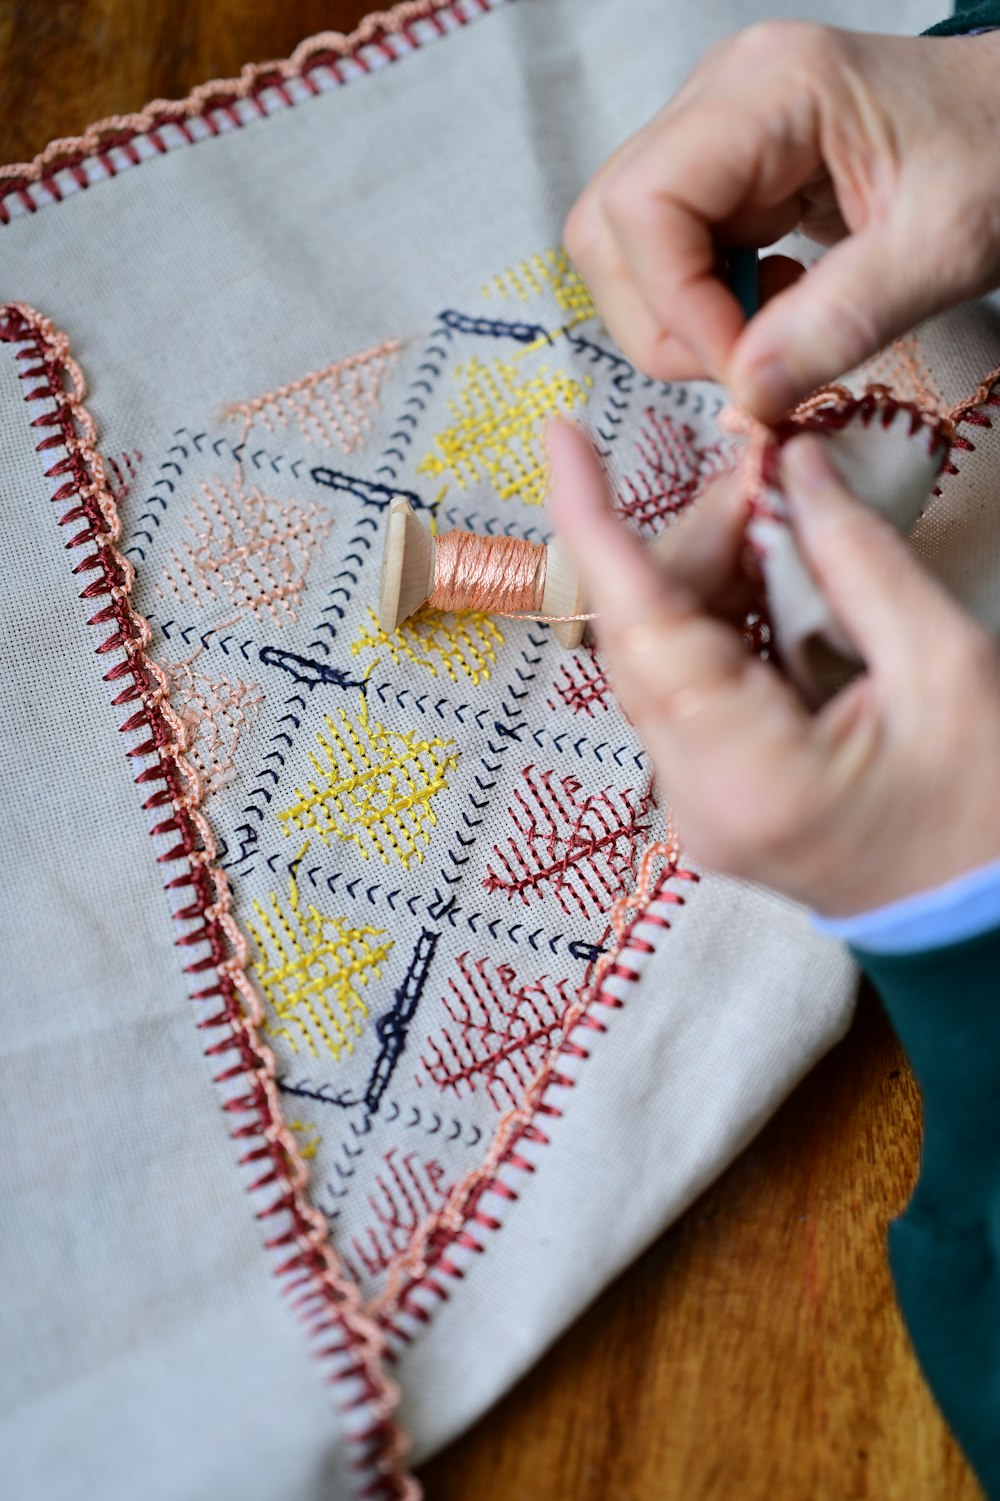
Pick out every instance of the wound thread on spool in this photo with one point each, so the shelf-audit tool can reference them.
(464, 571)
(504, 575)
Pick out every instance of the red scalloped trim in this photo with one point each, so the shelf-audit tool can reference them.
(376, 37)
(834, 407)
(329, 1302)
(427, 1261)
(426, 1265)
(344, 1335)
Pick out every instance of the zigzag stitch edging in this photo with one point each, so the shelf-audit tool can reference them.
(344, 1335)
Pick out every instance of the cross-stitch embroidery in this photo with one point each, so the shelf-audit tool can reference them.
(217, 714)
(334, 405)
(461, 644)
(579, 847)
(309, 1138)
(374, 787)
(582, 684)
(673, 467)
(500, 1029)
(123, 472)
(313, 970)
(550, 271)
(407, 1189)
(495, 434)
(247, 550)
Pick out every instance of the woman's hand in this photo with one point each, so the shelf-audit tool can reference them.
(872, 798)
(885, 145)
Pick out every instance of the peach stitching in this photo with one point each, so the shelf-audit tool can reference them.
(329, 1302)
(427, 1251)
(258, 550)
(325, 49)
(335, 404)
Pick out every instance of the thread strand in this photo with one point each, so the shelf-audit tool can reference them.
(504, 575)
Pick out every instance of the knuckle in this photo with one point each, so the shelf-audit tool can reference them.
(966, 247)
(622, 200)
(794, 42)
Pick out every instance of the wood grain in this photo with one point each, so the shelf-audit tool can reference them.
(755, 1353)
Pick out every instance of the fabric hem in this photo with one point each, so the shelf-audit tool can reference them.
(345, 1338)
(322, 62)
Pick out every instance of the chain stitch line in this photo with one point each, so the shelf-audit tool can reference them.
(327, 1301)
(324, 49)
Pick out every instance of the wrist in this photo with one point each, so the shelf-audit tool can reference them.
(951, 913)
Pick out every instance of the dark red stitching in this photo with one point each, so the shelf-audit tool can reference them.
(577, 847)
(327, 1304)
(407, 1189)
(673, 470)
(584, 684)
(835, 409)
(450, 1228)
(325, 51)
(501, 1030)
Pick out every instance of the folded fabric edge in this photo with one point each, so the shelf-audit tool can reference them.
(351, 1341)
(324, 61)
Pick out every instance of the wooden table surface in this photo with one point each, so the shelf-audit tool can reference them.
(755, 1352)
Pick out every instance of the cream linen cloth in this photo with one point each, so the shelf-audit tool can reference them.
(288, 308)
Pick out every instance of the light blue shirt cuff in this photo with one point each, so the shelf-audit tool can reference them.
(948, 914)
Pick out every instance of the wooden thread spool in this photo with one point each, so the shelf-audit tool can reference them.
(409, 574)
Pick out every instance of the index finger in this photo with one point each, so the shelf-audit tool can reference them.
(682, 676)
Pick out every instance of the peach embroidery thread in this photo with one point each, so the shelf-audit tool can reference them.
(329, 1302)
(502, 575)
(248, 549)
(334, 405)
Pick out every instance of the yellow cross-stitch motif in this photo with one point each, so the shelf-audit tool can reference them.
(549, 272)
(309, 1137)
(312, 970)
(460, 644)
(496, 431)
(373, 787)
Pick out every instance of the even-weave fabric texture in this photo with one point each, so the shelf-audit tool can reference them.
(288, 307)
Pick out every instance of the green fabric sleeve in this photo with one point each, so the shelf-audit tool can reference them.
(945, 1250)
(968, 15)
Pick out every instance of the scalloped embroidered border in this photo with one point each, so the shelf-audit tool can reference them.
(322, 62)
(326, 1298)
(636, 920)
(345, 1337)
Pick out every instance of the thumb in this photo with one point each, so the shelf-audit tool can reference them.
(885, 601)
(859, 296)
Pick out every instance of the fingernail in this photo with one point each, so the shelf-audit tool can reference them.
(805, 468)
(554, 427)
(768, 389)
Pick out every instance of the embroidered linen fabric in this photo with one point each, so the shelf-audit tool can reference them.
(289, 306)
